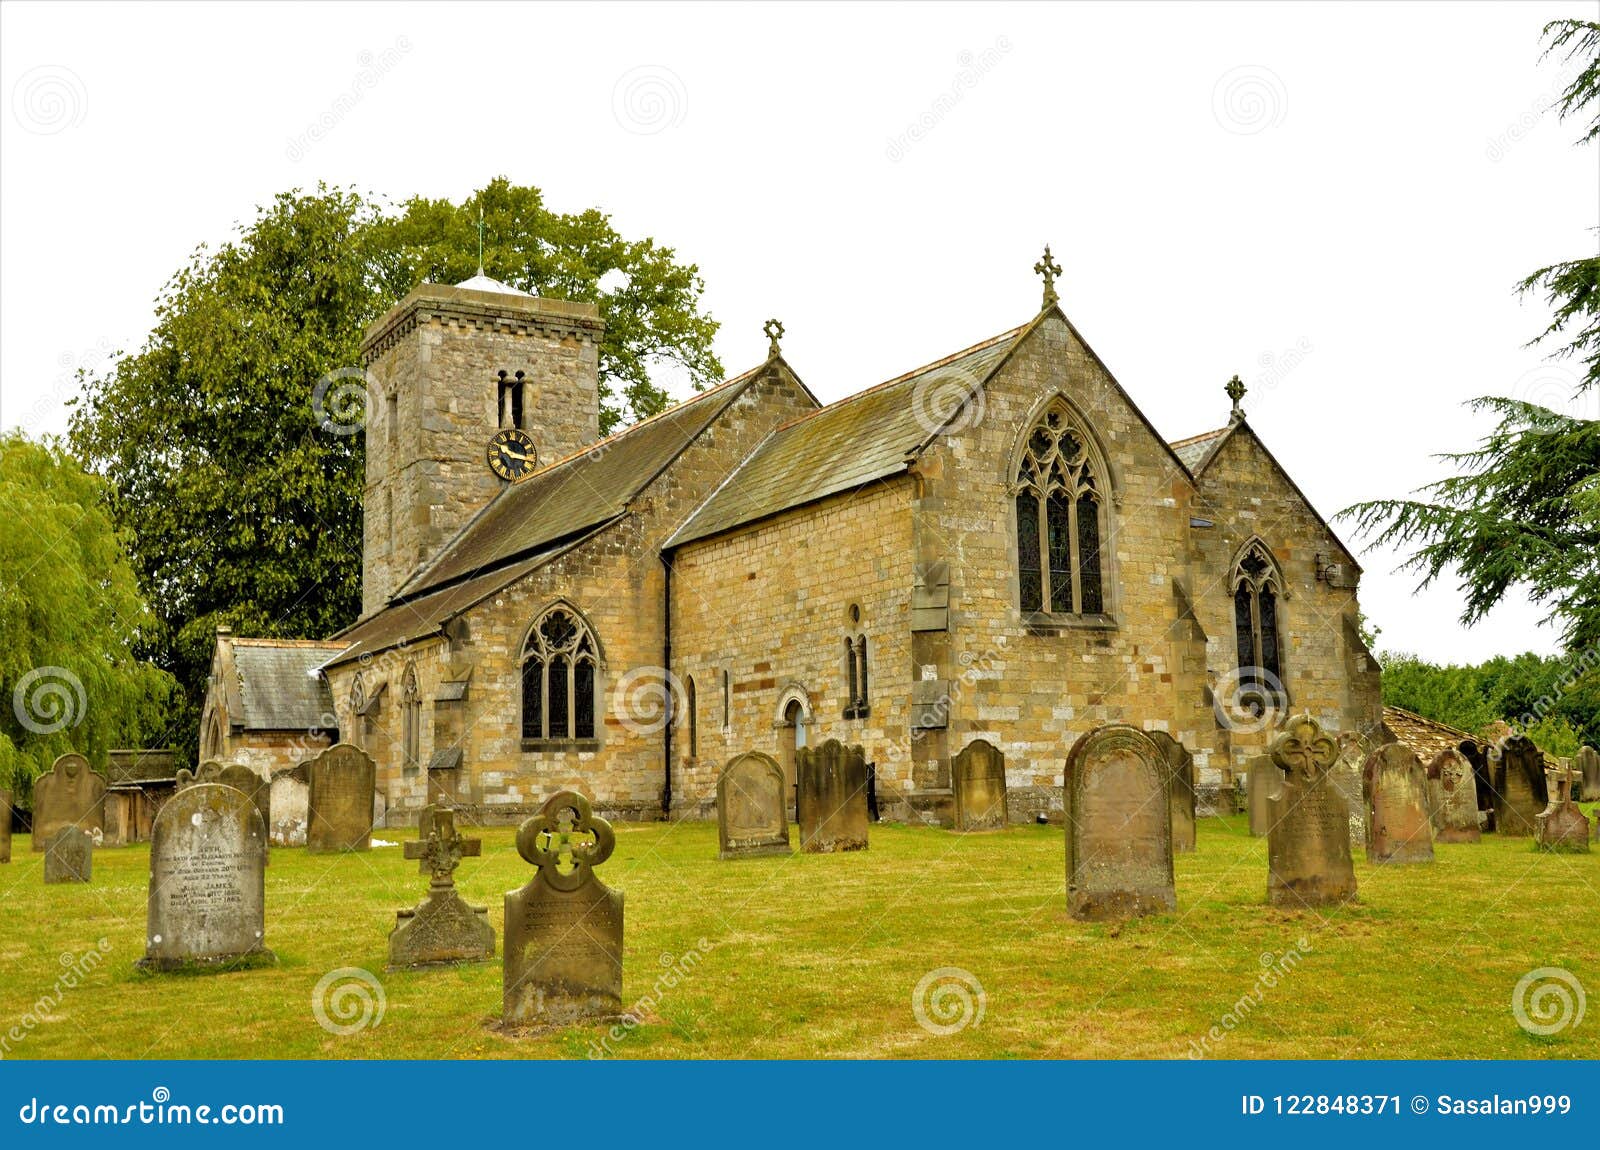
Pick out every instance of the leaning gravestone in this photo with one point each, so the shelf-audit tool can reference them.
(290, 803)
(1180, 789)
(1308, 848)
(1588, 764)
(71, 795)
(339, 800)
(1562, 827)
(1398, 828)
(5, 826)
(978, 775)
(1263, 780)
(235, 775)
(207, 903)
(563, 946)
(833, 798)
(442, 929)
(1520, 791)
(751, 814)
(1453, 798)
(1119, 826)
(69, 856)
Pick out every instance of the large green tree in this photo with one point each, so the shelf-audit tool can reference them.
(71, 619)
(239, 505)
(1523, 508)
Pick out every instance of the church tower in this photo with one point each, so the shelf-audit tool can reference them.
(470, 388)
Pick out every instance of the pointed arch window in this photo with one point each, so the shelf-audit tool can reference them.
(692, 705)
(1060, 508)
(1258, 592)
(411, 720)
(559, 662)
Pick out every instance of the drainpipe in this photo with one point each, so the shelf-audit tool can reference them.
(666, 671)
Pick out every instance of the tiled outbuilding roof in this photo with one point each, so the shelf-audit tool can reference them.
(1424, 736)
(279, 688)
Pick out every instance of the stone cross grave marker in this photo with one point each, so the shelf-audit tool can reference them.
(69, 855)
(1180, 790)
(1521, 792)
(206, 908)
(1562, 827)
(563, 944)
(339, 800)
(442, 928)
(1398, 827)
(1453, 798)
(1119, 826)
(1308, 847)
(978, 775)
(833, 798)
(70, 795)
(752, 815)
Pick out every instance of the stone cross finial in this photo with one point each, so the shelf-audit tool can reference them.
(443, 849)
(1049, 269)
(1236, 390)
(774, 331)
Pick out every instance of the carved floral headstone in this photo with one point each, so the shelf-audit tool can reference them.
(69, 855)
(563, 944)
(70, 795)
(442, 928)
(1119, 826)
(752, 815)
(832, 787)
(342, 780)
(978, 776)
(1521, 792)
(1398, 827)
(1180, 789)
(1453, 798)
(1308, 847)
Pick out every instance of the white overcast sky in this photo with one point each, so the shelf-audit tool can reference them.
(1333, 201)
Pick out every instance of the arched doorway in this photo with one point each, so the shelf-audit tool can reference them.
(791, 737)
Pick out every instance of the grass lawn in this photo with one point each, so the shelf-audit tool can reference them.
(819, 956)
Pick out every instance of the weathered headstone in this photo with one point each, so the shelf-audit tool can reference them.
(235, 775)
(832, 782)
(1562, 827)
(752, 818)
(1180, 789)
(1588, 764)
(5, 826)
(1308, 848)
(1520, 791)
(1398, 829)
(1453, 798)
(339, 800)
(71, 795)
(290, 803)
(1346, 778)
(442, 928)
(207, 904)
(69, 856)
(978, 775)
(563, 945)
(1119, 826)
(1263, 781)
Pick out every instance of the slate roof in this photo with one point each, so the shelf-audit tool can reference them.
(1197, 448)
(1423, 736)
(866, 436)
(279, 689)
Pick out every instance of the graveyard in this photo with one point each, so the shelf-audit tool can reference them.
(824, 955)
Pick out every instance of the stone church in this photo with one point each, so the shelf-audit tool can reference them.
(996, 545)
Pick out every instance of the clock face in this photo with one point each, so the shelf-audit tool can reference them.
(511, 455)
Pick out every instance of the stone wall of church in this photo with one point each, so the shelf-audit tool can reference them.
(267, 751)
(770, 605)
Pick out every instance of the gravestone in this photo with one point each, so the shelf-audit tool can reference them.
(1308, 849)
(1562, 827)
(832, 783)
(1180, 789)
(751, 814)
(1346, 779)
(1588, 765)
(207, 904)
(339, 800)
(1262, 782)
(1453, 798)
(978, 775)
(235, 775)
(5, 826)
(1398, 828)
(563, 945)
(442, 929)
(1119, 826)
(69, 855)
(290, 803)
(71, 795)
(1520, 791)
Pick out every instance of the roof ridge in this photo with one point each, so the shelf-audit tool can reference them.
(265, 642)
(1198, 438)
